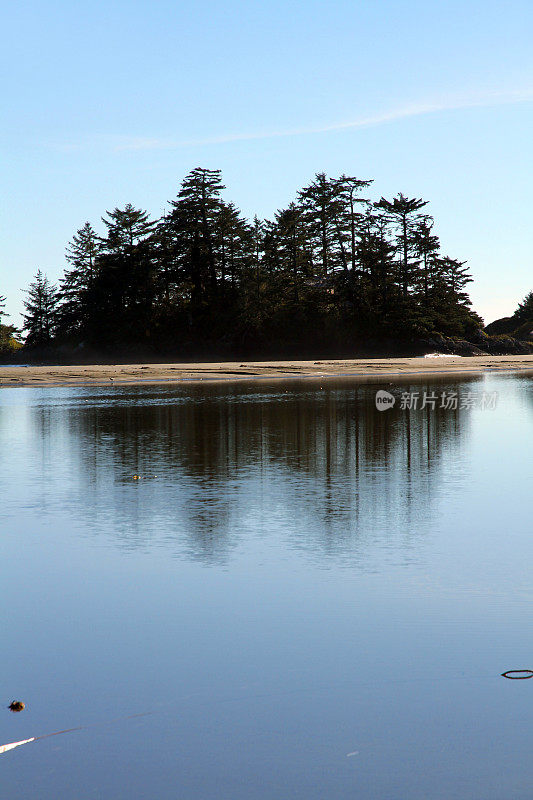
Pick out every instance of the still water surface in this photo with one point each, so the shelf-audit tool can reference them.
(313, 599)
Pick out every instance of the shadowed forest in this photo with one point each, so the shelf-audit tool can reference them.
(331, 270)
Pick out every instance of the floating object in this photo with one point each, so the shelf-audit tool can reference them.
(17, 705)
(518, 674)
(5, 747)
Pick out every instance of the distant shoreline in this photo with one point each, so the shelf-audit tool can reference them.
(364, 369)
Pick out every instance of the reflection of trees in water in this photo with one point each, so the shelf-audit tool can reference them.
(323, 463)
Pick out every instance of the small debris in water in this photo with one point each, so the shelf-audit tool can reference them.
(17, 705)
(354, 753)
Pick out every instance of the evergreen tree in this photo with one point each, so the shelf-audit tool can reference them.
(125, 282)
(233, 244)
(375, 259)
(126, 227)
(195, 211)
(403, 212)
(322, 211)
(40, 316)
(457, 276)
(348, 188)
(524, 312)
(426, 246)
(255, 287)
(78, 281)
(289, 251)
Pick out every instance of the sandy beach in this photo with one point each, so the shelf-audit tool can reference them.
(369, 369)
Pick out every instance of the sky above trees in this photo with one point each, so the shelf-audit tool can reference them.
(108, 104)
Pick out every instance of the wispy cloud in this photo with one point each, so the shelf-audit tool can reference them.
(417, 109)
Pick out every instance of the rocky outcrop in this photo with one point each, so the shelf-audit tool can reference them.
(505, 325)
(477, 344)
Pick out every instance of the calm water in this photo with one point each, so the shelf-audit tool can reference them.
(313, 598)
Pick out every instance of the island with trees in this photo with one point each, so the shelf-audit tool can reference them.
(333, 273)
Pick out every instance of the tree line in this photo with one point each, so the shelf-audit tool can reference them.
(331, 269)
(519, 325)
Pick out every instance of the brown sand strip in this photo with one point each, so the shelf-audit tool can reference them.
(110, 374)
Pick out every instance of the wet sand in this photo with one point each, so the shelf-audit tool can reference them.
(367, 369)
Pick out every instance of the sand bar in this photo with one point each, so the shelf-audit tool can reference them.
(108, 374)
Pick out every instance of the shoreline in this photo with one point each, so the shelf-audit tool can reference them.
(363, 369)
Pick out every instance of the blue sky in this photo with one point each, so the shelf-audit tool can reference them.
(109, 103)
